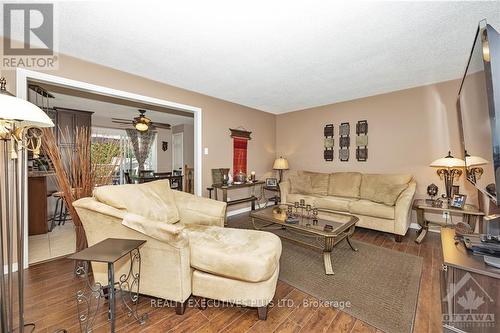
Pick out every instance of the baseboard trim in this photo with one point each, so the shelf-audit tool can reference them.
(239, 211)
(417, 227)
(6, 268)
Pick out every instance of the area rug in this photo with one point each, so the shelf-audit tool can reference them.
(380, 284)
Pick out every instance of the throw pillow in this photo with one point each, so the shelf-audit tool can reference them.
(344, 184)
(154, 200)
(300, 184)
(319, 181)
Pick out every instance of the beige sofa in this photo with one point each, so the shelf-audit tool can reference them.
(380, 201)
(188, 250)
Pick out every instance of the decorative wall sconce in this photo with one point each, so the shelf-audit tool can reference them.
(164, 145)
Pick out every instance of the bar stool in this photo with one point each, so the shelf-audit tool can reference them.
(60, 212)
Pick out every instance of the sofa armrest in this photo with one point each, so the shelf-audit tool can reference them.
(162, 231)
(162, 260)
(284, 190)
(199, 210)
(402, 213)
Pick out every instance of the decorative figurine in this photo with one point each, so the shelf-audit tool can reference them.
(432, 190)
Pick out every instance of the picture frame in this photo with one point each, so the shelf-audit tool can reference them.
(328, 155)
(344, 154)
(271, 182)
(344, 129)
(458, 201)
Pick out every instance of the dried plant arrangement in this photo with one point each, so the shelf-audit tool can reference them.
(85, 165)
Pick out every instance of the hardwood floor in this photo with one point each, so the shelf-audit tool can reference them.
(51, 287)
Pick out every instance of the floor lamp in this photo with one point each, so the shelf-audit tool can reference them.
(20, 123)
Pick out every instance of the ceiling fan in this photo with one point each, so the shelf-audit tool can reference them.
(141, 122)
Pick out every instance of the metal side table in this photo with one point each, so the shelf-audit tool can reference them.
(471, 215)
(109, 251)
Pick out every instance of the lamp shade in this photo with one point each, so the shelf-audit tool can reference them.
(472, 161)
(280, 164)
(23, 112)
(448, 162)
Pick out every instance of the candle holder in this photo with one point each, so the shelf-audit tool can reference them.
(296, 205)
(308, 211)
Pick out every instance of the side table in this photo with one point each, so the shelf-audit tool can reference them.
(471, 215)
(276, 198)
(109, 251)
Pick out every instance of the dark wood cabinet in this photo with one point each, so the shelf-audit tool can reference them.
(470, 289)
(37, 203)
(68, 120)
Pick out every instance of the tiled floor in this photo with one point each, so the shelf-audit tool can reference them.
(59, 242)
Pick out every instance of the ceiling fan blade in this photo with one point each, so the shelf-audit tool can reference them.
(121, 122)
(122, 119)
(161, 125)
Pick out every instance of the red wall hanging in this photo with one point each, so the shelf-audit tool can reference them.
(240, 145)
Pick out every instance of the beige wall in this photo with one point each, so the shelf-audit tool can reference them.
(217, 115)
(408, 129)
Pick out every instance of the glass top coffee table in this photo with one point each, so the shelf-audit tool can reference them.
(321, 233)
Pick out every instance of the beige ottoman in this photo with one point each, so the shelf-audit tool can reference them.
(234, 265)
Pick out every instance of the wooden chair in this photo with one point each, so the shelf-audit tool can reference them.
(128, 180)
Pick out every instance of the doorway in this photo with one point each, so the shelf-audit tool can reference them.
(24, 76)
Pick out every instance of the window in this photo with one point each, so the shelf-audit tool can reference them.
(124, 151)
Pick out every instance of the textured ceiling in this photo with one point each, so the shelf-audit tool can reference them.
(277, 56)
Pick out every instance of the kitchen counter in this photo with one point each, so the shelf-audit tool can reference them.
(41, 173)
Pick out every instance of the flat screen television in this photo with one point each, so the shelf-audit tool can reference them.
(479, 108)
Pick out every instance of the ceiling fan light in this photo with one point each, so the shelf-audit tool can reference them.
(141, 127)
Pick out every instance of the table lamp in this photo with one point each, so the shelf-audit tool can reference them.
(449, 169)
(20, 123)
(473, 164)
(280, 164)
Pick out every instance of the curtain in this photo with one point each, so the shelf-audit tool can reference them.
(240, 155)
(141, 144)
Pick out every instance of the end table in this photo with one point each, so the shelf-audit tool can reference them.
(109, 251)
(471, 214)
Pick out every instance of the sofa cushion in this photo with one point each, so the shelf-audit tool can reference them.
(246, 255)
(370, 208)
(344, 184)
(154, 200)
(372, 185)
(319, 181)
(334, 203)
(300, 184)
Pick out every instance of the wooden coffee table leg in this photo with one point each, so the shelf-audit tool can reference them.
(327, 255)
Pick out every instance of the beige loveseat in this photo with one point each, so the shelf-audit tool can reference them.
(380, 201)
(188, 250)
